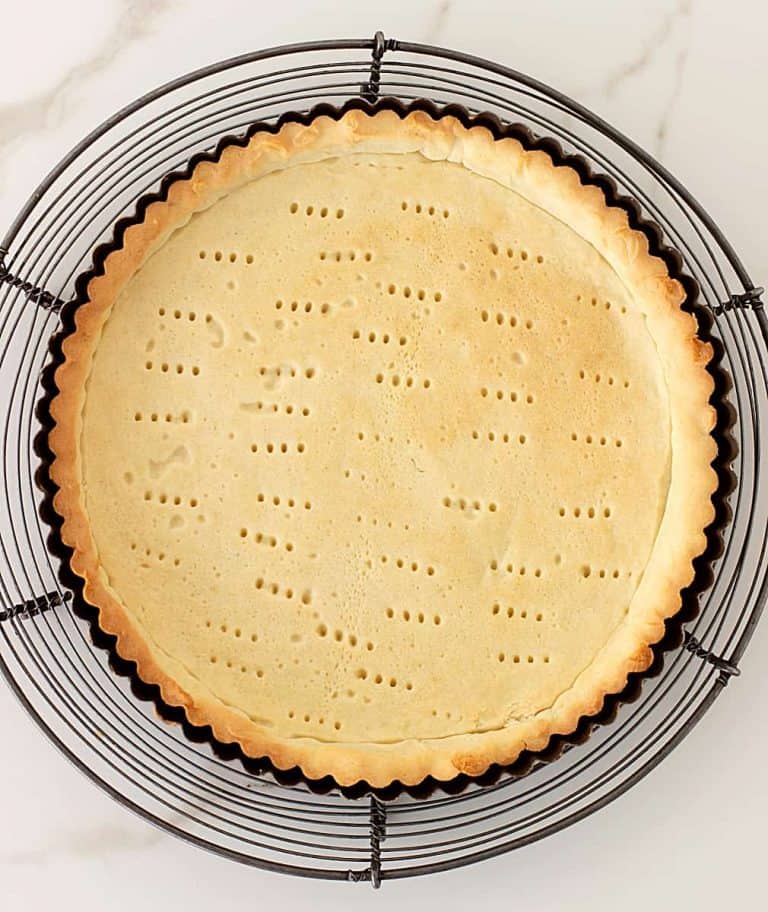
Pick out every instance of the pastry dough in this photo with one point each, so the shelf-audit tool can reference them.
(383, 447)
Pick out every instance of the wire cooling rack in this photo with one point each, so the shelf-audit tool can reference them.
(64, 680)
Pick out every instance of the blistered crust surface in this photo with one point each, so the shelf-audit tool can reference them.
(383, 447)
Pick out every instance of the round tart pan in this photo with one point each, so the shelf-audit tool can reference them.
(674, 635)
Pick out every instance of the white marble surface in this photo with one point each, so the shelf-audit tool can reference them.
(686, 79)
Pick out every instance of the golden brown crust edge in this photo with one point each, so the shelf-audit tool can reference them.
(688, 512)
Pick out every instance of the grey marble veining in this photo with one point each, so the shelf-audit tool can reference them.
(83, 843)
(135, 20)
(437, 24)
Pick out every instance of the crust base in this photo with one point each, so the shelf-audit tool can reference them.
(687, 513)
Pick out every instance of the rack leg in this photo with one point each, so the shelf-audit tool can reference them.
(35, 606)
(378, 833)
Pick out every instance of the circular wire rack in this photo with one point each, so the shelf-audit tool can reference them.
(47, 652)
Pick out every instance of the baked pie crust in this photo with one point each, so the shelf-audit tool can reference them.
(383, 446)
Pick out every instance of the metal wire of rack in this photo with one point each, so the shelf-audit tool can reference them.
(65, 681)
